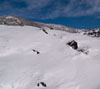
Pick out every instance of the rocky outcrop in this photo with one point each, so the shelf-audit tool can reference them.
(93, 33)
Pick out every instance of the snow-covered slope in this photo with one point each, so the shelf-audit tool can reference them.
(56, 64)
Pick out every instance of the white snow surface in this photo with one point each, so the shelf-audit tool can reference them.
(57, 65)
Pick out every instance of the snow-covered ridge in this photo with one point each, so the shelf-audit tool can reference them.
(18, 21)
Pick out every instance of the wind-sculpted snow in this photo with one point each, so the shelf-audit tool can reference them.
(57, 66)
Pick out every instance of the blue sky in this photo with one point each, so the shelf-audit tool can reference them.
(73, 13)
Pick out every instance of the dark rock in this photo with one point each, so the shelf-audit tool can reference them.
(93, 33)
(41, 83)
(36, 51)
(44, 31)
(73, 44)
(51, 28)
(38, 84)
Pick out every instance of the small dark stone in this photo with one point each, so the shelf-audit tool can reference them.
(51, 28)
(44, 31)
(41, 83)
(34, 50)
(38, 52)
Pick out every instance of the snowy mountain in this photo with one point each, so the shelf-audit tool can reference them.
(18, 21)
(33, 57)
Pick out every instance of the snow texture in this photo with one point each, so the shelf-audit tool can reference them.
(57, 66)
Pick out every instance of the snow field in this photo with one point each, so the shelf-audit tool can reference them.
(58, 65)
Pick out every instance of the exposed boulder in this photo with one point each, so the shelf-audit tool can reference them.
(73, 44)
